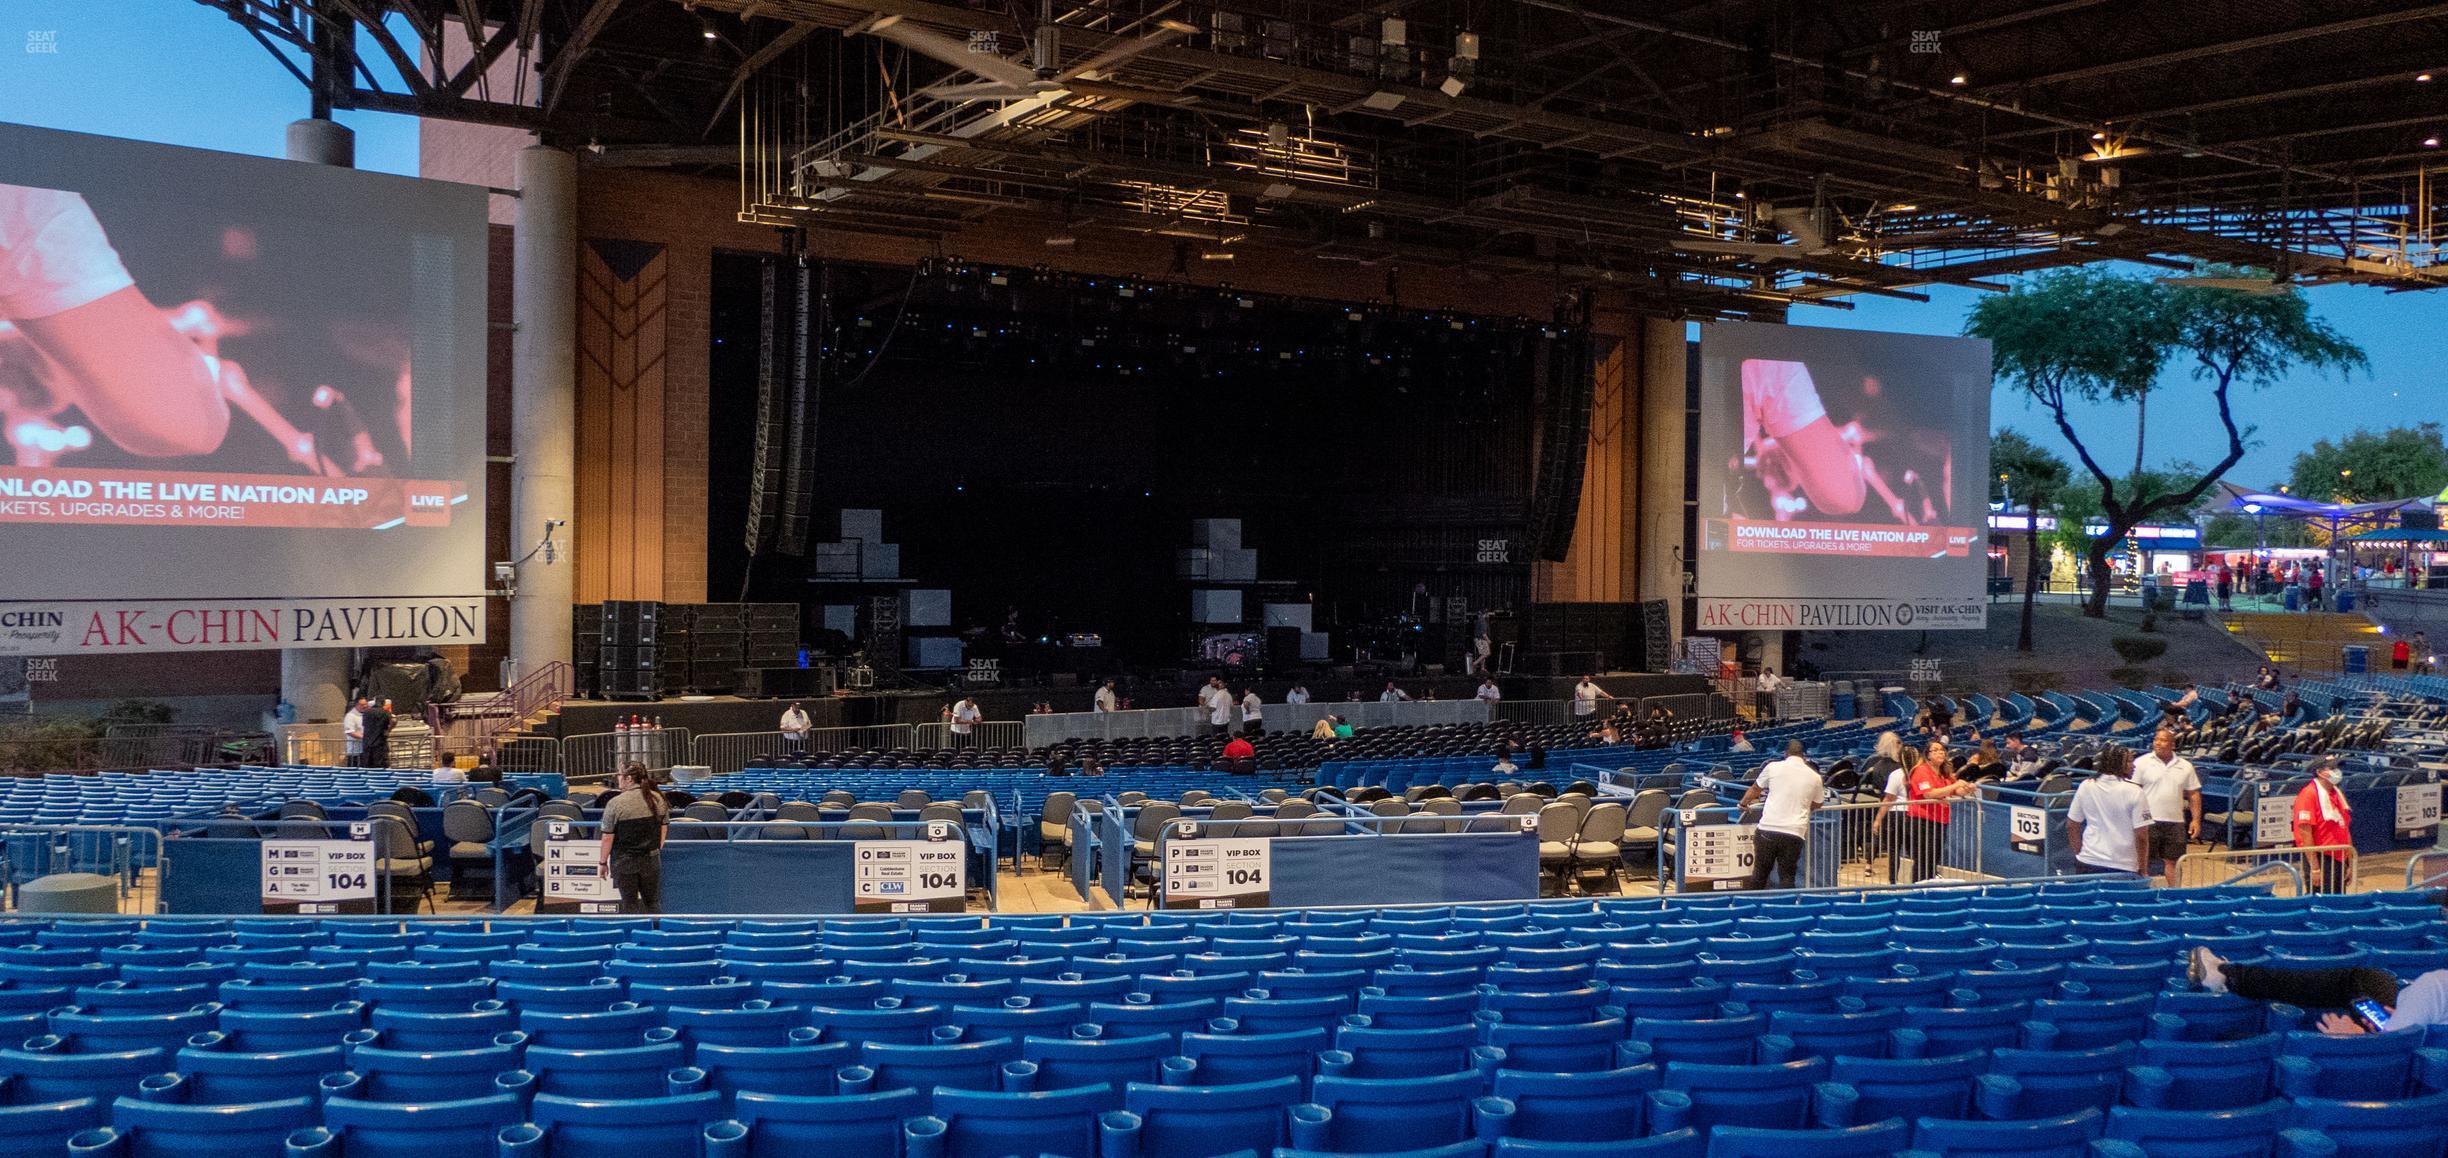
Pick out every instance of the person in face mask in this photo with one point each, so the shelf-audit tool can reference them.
(2322, 818)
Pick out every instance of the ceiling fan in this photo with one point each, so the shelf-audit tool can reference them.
(1007, 78)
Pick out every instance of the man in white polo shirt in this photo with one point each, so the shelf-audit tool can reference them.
(2173, 790)
(1586, 695)
(1787, 791)
(2109, 821)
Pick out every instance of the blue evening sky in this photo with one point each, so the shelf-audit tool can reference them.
(176, 71)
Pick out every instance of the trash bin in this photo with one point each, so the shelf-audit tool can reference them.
(1887, 697)
(2294, 597)
(2345, 599)
(2358, 658)
(1841, 703)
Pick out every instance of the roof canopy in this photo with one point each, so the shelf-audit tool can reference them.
(2398, 535)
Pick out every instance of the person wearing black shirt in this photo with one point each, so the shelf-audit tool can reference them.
(376, 722)
(634, 821)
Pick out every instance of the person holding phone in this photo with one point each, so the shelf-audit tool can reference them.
(2363, 999)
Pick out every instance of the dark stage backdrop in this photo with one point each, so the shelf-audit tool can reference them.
(1044, 444)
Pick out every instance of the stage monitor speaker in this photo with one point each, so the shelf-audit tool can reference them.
(1283, 646)
(781, 682)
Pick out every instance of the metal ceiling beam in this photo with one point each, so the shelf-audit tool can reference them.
(2225, 47)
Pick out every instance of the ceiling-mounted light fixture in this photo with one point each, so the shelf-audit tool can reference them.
(1061, 241)
(1959, 79)
(1382, 101)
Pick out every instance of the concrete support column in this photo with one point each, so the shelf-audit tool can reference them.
(1658, 414)
(315, 681)
(543, 405)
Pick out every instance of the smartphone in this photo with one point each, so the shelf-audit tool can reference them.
(2370, 1013)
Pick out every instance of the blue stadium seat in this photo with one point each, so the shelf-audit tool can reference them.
(968, 1065)
(2204, 1016)
(1952, 1030)
(989, 1125)
(2405, 1128)
(145, 1129)
(1414, 1011)
(803, 1066)
(1869, 1033)
(561, 1127)
(2203, 1075)
(1236, 1059)
(791, 1125)
(1775, 1097)
(639, 1071)
(1792, 997)
(1866, 1141)
(1363, 1052)
(35, 1078)
(2071, 1136)
(887, 1022)
(2088, 1023)
(1596, 1106)
(389, 1075)
(1728, 1041)
(1190, 1121)
(1381, 1114)
(1559, 1048)
(212, 1070)
(2049, 1083)
(80, 1032)
(1683, 1143)
(2252, 1131)
(1860, 1089)
(1085, 1059)
(38, 1127)
(410, 1129)
(470, 1028)
(2370, 1065)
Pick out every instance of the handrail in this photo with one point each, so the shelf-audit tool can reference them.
(541, 690)
(2287, 866)
(2417, 859)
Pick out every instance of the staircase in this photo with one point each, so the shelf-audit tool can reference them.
(477, 725)
(2304, 641)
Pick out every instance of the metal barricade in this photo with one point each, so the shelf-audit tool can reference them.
(1850, 845)
(1536, 713)
(600, 755)
(726, 752)
(982, 734)
(527, 754)
(131, 855)
(316, 745)
(2314, 869)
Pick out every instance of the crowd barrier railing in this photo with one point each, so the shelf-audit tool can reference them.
(982, 734)
(1056, 727)
(130, 855)
(1713, 848)
(2309, 869)
(595, 756)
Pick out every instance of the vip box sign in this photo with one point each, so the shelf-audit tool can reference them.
(1716, 856)
(576, 880)
(1217, 873)
(2273, 821)
(321, 876)
(2418, 809)
(913, 876)
(2027, 828)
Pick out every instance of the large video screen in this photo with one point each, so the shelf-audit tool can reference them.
(233, 378)
(1843, 479)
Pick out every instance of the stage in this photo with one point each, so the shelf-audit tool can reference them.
(716, 714)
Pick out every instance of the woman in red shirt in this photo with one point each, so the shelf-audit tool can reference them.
(1930, 785)
(2323, 819)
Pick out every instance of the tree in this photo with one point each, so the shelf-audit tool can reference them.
(2032, 473)
(2401, 462)
(2093, 336)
